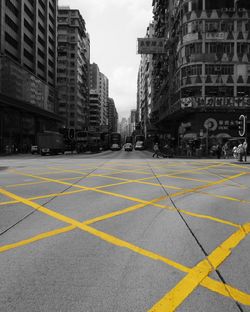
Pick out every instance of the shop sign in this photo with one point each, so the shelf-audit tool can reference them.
(151, 45)
(236, 102)
(225, 124)
(215, 36)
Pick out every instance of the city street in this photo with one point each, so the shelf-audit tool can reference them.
(124, 232)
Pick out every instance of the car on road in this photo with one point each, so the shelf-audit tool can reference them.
(128, 147)
(115, 147)
(34, 149)
(139, 146)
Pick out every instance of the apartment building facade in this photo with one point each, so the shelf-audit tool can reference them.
(73, 69)
(112, 116)
(202, 83)
(28, 48)
(99, 85)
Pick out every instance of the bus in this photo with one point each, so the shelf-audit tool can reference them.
(139, 142)
(129, 139)
(115, 141)
(82, 141)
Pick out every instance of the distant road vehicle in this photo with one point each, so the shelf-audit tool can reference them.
(34, 149)
(128, 147)
(115, 147)
(50, 143)
(139, 146)
(115, 138)
(139, 142)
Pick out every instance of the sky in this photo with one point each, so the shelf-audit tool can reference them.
(114, 26)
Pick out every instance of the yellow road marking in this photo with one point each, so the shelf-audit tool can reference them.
(108, 238)
(36, 238)
(157, 205)
(225, 290)
(83, 226)
(35, 183)
(175, 297)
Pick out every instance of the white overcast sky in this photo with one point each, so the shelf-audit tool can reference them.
(114, 26)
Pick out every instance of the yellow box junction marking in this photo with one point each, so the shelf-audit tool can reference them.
(120, 243)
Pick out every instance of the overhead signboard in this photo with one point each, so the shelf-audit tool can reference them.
(215, 36)
(151, 45)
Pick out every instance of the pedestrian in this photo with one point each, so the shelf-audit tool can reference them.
(218, 151)
(225, 150)
(156, 150)
(244, 145)
(235, 152)
(240, 152)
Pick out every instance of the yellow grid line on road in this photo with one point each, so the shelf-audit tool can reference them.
(174, 298)
(115, 241)
(197, 215)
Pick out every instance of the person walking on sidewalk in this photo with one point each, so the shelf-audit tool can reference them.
(244, 146)
(156, 150)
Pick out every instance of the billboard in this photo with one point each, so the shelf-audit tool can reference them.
(152, 45)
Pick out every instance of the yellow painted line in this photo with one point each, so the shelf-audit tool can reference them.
(87, 188)
(104, 236)
(175, 297)
(35, 183)
(158, 205)
(207, 217)
(111, 239)
(120, 243)
(184, 288)
(36, 238)
(240, 166)
(43, 197)
(121, 212)
(230, 198)
(226, 290)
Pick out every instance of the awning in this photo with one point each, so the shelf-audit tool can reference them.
(190, 136)
(223, 135)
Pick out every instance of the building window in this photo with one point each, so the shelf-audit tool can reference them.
(28, 41)
(28, 55)
(10, 23)
(28, 12)
(213, 69)
(216, 47)
(11, 7)
(191, 91)
(192, 70)
(193, 48)
(41, 41)
(41, 15)
(40, 66)
(28, 26)
(11, 40)
(215, 4)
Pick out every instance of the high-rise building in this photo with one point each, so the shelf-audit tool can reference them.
(73, 69)
(99, 84)
(28, 47)
(202, 83)
(112, 116)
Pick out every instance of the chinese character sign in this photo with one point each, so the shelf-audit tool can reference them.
(151, 45)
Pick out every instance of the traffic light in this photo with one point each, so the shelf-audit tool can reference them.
(242, 125)
(71, 134)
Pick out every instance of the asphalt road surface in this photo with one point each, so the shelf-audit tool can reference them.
(123, 232)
